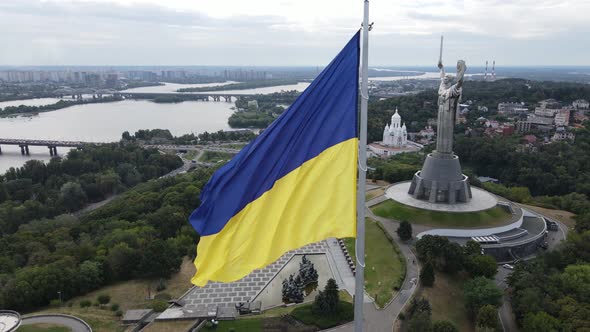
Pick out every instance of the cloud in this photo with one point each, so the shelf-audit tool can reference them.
(289, 32)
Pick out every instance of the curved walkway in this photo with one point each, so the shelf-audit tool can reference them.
(382, 320)
(74, 323)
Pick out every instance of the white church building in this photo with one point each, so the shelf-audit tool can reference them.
(395, 139)
(395, 134)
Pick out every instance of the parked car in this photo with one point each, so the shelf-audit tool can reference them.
(508, 266)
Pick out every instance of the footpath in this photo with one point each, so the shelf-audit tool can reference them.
(382, 320)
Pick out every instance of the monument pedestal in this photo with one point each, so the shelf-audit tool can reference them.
(441, 180)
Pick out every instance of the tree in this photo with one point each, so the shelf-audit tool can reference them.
(419, 305)
(453, 258)
(540, 322)
(472, 248)
(480, 291)
(487, 317)
(331, 291)
(326, 302)
(427, 275)
(482, 266)
(576, 280)
(297, 291)
(307, 271)
(103, 299)
(420, 322)
(404, 231)
(72, 197)
(89, 276)
(444, 326)
(159, 259)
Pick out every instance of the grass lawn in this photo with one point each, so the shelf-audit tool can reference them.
(43, 328)
(254, 324)
(394, 210)
(215, 156)
(344, 314)
(446, 299)
(129, 295)
(385, 266)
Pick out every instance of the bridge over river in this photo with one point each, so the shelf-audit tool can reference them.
(203, 96)
(50, 144)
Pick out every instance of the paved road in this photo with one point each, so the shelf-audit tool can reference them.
(75, 324)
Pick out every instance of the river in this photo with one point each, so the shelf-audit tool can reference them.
(105, 122)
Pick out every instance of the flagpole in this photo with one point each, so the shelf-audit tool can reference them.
(362, 178)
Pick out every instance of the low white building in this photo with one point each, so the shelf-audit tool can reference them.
(561, 134)
(581, 104)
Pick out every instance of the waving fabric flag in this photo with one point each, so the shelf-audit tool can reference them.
(293, 185)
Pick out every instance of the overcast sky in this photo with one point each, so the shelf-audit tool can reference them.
(291, 32)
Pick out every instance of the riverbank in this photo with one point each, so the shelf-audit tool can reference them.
(240, 86)
(10, 111)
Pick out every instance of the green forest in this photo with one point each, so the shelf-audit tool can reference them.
(142, 234)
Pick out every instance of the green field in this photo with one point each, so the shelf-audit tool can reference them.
(385, 267)
(394, 210)
(43, 328)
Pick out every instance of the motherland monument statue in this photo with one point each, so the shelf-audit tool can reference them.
(441, 179)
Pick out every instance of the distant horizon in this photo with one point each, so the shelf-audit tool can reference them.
(286, 66)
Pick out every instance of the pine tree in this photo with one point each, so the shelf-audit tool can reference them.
(331, 291)
(297, 291)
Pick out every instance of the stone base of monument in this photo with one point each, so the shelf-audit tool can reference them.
(480, 200)
(441, 180)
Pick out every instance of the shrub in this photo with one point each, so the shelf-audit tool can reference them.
(54, 303)
(159, 305)
(119, 313)
(85, 304)
(114, 307)
(103, 299)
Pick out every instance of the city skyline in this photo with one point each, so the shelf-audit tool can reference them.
(290, 33)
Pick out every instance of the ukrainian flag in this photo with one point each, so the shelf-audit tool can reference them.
(293, 185)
